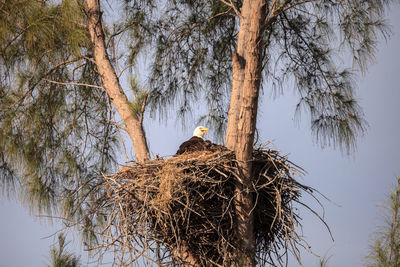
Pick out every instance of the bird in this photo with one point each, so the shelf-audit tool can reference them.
(195, 143)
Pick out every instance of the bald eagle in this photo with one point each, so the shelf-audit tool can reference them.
(195, 143)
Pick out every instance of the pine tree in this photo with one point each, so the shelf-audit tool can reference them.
(265, 44)
(61, 84)
(386, 248)
(59, 257)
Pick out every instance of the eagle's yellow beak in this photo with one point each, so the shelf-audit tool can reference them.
(204, 130)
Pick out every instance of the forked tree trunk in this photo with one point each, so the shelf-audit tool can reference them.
(111, 83)
(242, 117)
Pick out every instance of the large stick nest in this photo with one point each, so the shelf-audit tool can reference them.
(164, 207)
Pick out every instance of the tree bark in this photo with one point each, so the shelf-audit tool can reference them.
(111, 83)
(184, 257)
(114, 90)
(238, 65)
(242, 119)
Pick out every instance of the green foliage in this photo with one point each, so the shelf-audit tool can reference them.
(192, 66)
(193, 42)
(56, 137)
(61, 258)
(385, 252)
(140, 98)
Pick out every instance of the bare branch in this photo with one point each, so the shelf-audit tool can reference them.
(73, 83)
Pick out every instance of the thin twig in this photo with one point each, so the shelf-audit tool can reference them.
(73, 83)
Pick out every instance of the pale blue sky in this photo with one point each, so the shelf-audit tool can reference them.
(356, 184)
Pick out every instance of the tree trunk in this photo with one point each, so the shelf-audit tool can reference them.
(242, 124)
(238, 65)
(184, 257)
(111, 83)
(114, 90)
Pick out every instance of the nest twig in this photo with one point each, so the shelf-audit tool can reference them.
(164, 205)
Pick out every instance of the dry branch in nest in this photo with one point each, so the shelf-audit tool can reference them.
(164, 206)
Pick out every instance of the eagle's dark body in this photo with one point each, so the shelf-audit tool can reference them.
(193, 144)
(198, 144)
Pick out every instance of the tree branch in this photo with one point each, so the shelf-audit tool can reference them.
(111, 83)
(73, 83)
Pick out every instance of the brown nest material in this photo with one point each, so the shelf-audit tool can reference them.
(188, 202)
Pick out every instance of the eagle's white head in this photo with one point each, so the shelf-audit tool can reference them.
(200, 131)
